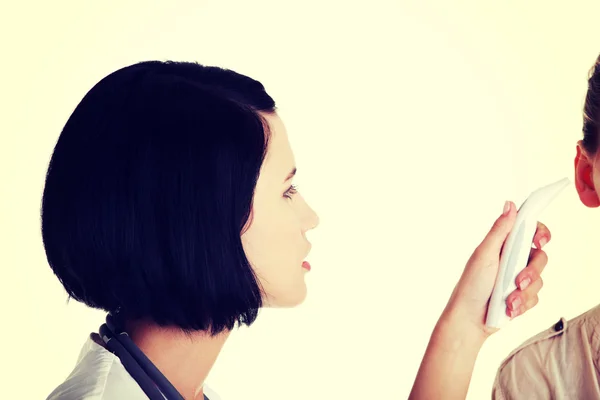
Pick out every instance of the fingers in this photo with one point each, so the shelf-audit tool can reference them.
(529, 283)
(495, 238)
(493, 241)
(520, 302)
(533, 271)
(542, 236)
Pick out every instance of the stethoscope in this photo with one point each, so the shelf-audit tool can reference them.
(142, 370)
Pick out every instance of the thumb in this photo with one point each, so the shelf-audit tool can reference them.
(494, 240)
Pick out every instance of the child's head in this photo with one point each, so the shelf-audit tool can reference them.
(587, 176)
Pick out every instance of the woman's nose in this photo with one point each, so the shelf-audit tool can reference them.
(312, 219)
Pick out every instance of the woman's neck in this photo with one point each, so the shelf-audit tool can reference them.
(185, 360)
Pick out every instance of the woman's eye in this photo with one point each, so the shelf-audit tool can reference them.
(292, 190)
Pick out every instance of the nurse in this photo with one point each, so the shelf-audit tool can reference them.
(169, 201)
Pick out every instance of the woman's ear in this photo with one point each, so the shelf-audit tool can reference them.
(584, 178)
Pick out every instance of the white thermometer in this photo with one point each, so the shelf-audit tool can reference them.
(517, 247)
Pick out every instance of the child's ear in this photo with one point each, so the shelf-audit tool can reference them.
(584, 178)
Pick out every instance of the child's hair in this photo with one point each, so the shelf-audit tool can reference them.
(591, 111)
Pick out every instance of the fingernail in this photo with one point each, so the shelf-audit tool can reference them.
(543, 241)
(515, 304)
(524, 283)
(506, 208)
(516, 312)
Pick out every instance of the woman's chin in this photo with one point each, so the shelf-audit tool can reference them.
(290, 299)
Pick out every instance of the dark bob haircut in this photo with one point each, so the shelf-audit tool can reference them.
(148, 190)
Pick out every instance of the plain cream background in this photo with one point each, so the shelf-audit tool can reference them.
(412, 123)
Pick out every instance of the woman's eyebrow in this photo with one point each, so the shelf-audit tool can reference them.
(291, 175)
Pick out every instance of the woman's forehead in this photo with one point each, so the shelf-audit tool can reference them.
(279, 160)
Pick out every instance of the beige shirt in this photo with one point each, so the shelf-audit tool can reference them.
(559, 363)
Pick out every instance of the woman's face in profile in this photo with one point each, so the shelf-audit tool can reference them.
(275, 242)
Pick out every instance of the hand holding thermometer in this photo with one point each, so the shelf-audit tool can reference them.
(515, 253)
